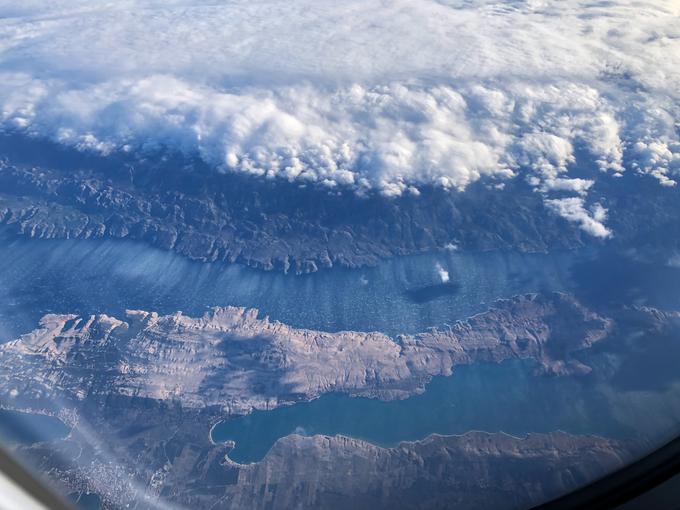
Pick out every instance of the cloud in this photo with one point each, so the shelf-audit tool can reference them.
(573, 209)
(442, 273)
(365, 94)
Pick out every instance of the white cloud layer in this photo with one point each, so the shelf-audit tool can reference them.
(365, 93)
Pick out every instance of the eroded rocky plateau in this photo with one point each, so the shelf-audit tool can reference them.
(162, 463)
(141, 394)
(232, 359)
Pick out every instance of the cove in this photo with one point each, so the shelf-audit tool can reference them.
(86, 501)
(27, 428)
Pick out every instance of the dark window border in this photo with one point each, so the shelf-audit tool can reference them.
(624, 485)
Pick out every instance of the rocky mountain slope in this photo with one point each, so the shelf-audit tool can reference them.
(179, 204)
(231, 358)
(141, 395)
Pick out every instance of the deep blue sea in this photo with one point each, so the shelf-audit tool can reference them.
(634, 391)
(401, 295)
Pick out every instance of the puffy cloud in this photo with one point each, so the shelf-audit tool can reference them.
(359, 93)
(659, 158)
(442, 273)
(573, 209)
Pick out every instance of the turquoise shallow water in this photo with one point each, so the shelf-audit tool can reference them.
(485, 396)
(490, 397)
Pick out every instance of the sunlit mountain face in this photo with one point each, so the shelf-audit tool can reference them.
(408, 254)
